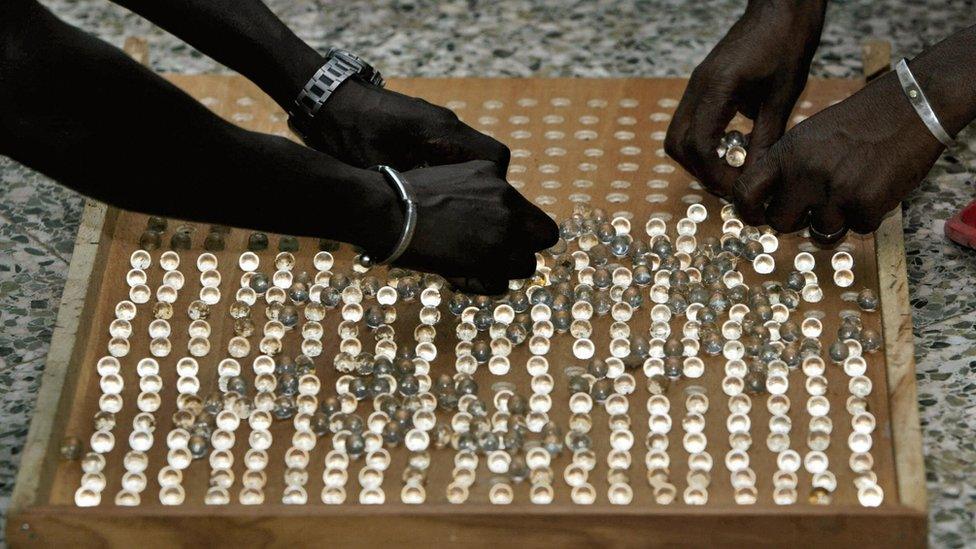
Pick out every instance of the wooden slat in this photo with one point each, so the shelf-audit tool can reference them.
(896, 317)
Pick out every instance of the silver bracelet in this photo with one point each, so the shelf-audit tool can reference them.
(409, 217)
(918, 100)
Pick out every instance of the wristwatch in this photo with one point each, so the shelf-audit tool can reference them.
(340, 65)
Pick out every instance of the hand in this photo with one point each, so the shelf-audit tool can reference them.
(365, 125)
(846, 166)
(759, 69)
(472, 227)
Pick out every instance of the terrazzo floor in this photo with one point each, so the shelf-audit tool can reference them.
(38, 218)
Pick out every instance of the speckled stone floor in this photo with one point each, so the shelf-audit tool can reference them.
(38, 219)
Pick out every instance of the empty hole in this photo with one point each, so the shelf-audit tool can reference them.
(806, 104)
(589, 120)
(548, 168)
(492, 104)
(545, 200)
(845, 247)
(456, 104)
(560, 102)
(521, 134)
(695, 186)
(579, 197)
(517, 168)
(551, 184)
(593, 153)
(667, 102)
(487, 120)
(585, 135)
(846, 313)
(517, 183)
(521, 153)
(628, 166)
(553, 119)
(660, 153)
(807, 247)
(628, 103)
(623, 135)
(620, 184)
(630, 150)
(518, 120)
(555, 151)
(656, 198)
(849, 296)
(587, 167)
(691, 198)
(626, 121)
(242, 117)
(814, 313)
(554, 135)
(660, 117)
(596, 103)
(617, 198)
(244, 101)
(210, 101)
(663, 216)
(658, 184)
(658, 135)
(527, 102)
(624, 214)
(664, 168)
(582, 183)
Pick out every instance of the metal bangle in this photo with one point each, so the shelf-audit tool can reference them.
(918, 100)
(403, 189)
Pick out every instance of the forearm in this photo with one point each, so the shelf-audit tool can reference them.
(83, 113)
(946, 73)
(242, 34)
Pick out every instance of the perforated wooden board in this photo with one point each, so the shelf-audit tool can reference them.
(595, 140)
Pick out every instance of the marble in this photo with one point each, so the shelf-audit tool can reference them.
(38, 218)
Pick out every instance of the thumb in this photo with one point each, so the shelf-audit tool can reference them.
(751, 189)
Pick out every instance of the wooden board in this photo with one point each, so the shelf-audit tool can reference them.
(563, 161)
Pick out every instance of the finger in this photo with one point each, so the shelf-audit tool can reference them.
(539, 231)
(861, 221)
(787, 212)
(753, 187)
(494, 286)
(770, 123)
(464, 143)
(694, 133)
(708, 125)
(827, 224)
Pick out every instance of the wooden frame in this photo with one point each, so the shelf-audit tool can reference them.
(33, 521)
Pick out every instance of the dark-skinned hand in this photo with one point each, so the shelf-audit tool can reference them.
(758, 69)
(845, 167)
(365, 125)
(473, 228)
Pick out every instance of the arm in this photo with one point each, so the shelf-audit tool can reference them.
(361, 124)
(759, 69)
(849, 165)
(85, 114)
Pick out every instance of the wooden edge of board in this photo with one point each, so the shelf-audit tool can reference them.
(896, 319)
(489, 526)
(74, 301)
(137, 48)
